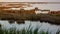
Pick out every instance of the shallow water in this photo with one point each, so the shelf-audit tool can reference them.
(42, 26)
(52, 7)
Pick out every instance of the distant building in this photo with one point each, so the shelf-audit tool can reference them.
(39, 11)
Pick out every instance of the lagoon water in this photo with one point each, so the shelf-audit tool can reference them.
(52, 7)
(34, 24)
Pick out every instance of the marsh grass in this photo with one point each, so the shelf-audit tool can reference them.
(50, 18)
(24, 31)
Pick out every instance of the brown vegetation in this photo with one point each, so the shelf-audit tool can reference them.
(20, 15)
(50, 18)
(54, 12)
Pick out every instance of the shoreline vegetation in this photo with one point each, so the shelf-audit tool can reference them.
(19, 18)
(21, 15)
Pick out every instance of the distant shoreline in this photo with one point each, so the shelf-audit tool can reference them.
(50, 18)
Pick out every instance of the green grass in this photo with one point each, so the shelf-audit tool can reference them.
(24, 31)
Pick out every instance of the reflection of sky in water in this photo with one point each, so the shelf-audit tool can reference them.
(47, 6)
(42, 26)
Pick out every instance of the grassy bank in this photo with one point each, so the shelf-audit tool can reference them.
(19, 18)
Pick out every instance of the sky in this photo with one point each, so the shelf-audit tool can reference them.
(29, 0)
